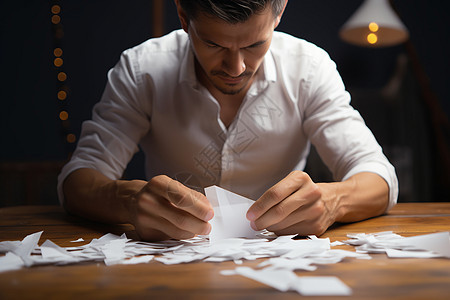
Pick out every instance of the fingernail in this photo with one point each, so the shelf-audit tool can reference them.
(208, 230)
(209, 215)
(250, 216)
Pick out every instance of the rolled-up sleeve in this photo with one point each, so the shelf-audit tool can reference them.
(119, 120)
(337, 130)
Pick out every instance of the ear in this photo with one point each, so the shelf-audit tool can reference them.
(278, 18)
(182, 16)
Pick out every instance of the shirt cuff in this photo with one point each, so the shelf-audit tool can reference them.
(387, 172)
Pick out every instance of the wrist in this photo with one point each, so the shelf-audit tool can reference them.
(122, 193)
(335, 195)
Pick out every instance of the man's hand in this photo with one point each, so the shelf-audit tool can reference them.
(159, 209)
(297, 205)
(293, 206)
(164, 208)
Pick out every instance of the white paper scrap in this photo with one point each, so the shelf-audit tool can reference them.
(78, 240)
(382, 242)
(278, 279)
(28, 244)
(321, 286)
(10, 262)
(438, 242)
(285, 280)
(230, 211)
(393, 253)
(52, 253)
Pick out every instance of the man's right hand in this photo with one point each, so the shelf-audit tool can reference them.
(159, 209)
(165, 208)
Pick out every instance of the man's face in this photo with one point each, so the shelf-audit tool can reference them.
(229, 55)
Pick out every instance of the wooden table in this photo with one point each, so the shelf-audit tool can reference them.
(380, 278)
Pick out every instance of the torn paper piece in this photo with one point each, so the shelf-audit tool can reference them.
(114, 251)
(144, 259)
(78, 240)
(9, 246)
(320, 286)
(52, 253)
(285, 280)
(280, 263)
(393, 253)
(230, 211)
(27, 245)
(10, 262)
(130, 261)
(436, 242)
(278, 279)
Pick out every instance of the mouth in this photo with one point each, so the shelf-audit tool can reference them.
(231, 80)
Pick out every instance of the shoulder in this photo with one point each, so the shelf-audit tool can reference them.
(155, 57)
(172, 42)
(286, 47)
(168, 48)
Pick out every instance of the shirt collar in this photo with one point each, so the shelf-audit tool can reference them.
(187, 68)
(270, 71)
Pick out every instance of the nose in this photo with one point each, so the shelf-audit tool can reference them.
(233, 63)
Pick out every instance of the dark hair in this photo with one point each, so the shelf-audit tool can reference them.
(231, 11)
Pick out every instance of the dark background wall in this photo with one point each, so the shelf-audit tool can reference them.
(386, 86)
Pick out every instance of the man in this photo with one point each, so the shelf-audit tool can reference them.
(226, 101)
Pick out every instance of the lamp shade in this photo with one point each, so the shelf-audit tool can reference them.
(374, 24)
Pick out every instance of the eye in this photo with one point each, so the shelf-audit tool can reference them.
(256, 45)
(212, 46)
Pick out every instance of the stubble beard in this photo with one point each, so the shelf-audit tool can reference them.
(231, 89)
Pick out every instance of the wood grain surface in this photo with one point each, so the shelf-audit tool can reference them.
(378, 278)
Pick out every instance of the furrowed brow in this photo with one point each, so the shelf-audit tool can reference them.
(259, 43)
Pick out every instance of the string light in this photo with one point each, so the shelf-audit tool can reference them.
(62, 93)
(372, 37)
(63, 115)
(373, 27)
(62, 76)
(58, 62)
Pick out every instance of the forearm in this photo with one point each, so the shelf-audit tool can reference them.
(362, 196)
(90, 194)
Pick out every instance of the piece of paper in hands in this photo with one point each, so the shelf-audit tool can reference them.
(230, 211)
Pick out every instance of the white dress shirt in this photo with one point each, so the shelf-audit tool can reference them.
(153, 99)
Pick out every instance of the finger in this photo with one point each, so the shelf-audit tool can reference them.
(279, 212)
(304, 228)
(182, 197)
(308, 213)
(274, 195)
(280, 191)
(156, 228)
(282, 212)
(184, 220)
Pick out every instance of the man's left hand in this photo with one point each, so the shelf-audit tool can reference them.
(295, 205)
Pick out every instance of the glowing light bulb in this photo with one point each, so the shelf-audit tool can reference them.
(63, 115)
(71, 138)
(56, 9)
(58, 62)
(56, 19)
(62, 76)
(373, 27)
(58, 52)
(372, 38)
(62, 95)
